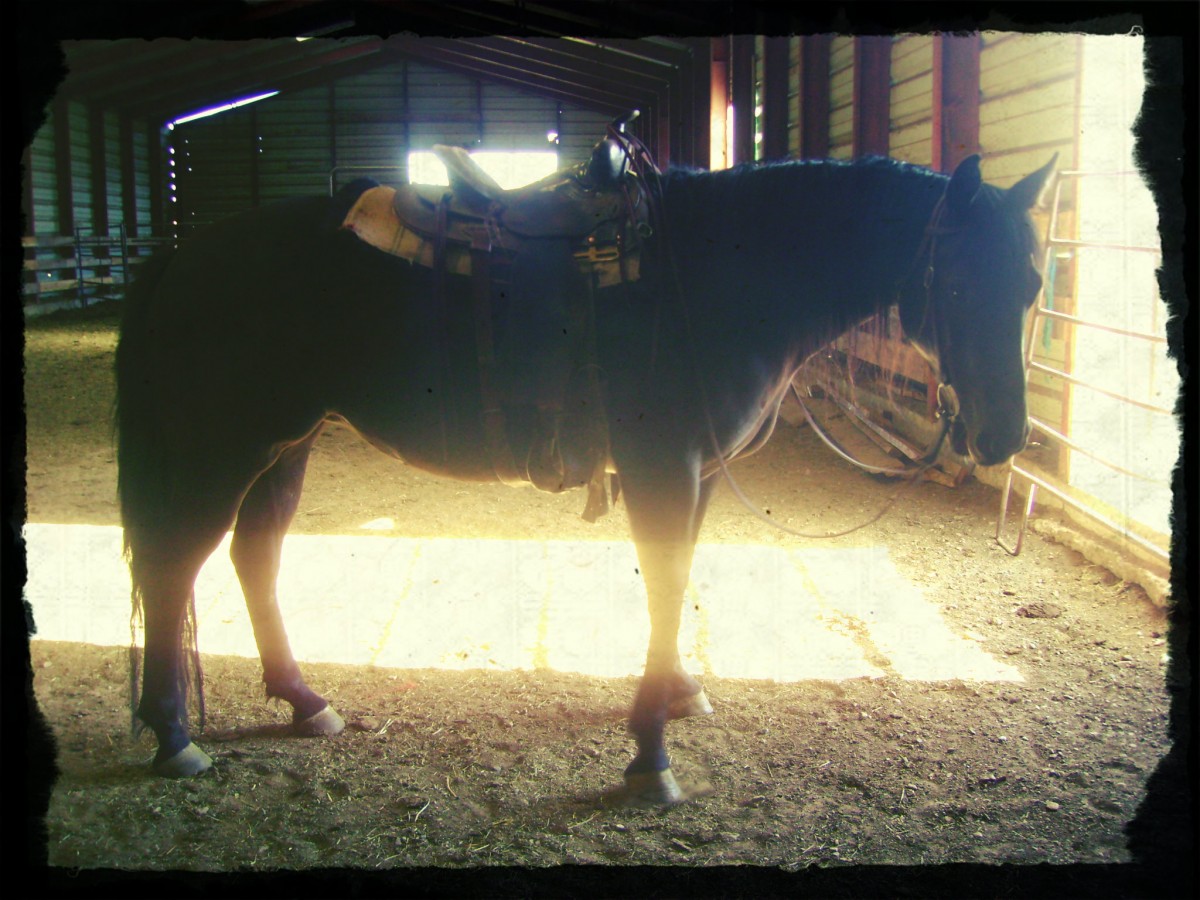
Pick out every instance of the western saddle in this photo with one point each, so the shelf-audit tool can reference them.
(475, 228)
(597, 206)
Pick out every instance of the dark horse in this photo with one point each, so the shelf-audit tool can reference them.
(239, 345)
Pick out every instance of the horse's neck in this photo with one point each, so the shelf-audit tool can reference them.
(825, 250)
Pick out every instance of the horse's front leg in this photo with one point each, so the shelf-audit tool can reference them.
(665, 511)
(262, 522)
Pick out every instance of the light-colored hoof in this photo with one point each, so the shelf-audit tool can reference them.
(321, 723)
(653, 789)
(191, 760)
(695, 705)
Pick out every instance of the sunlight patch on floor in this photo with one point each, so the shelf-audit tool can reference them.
(750, 612)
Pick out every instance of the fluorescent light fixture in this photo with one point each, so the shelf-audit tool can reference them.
(224, 107)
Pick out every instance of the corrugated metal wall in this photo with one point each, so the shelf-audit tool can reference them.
(841, 98)
(793, 126)
(81, 164)
(76, 188)
(212, 167)
(1027, 112)
(44, 214)
(86, 195)
(910, 135)
(286, 146)
(138, 221)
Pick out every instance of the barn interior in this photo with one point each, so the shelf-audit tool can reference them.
(1035, 597)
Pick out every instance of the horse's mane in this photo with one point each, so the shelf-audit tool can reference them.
(822, 181)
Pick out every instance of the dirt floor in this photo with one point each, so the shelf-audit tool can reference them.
(483, 768)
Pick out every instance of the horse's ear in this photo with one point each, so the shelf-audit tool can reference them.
(964, 184)
(1024, 194)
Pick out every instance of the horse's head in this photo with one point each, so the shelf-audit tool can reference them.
(964, 308)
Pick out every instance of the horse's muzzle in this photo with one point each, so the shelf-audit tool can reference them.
(991, 447)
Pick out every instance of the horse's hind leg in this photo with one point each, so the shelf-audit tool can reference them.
(164, 571)
(262, 521)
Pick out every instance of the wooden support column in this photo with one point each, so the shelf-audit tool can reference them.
(814, 96)
(741, 92)
(696, 105)
(872, 95)
(775, 98)
(955, 99)
(718, 102)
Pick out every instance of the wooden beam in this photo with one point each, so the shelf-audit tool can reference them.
(775, 98)
(699, 91)
(872, 95)
(741, 92)
(955, 99)
(814, 96)
(718, 88)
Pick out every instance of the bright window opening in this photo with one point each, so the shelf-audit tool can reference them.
(510, 169)
(1117, 286)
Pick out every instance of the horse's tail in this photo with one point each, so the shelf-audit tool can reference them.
(143, 480)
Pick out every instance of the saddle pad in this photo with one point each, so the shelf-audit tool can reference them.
(373, 220)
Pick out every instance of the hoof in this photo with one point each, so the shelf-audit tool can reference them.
(321, 723)
(695, 705)
(654, 789)
(191, 760)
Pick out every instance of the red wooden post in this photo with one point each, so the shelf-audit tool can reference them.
(872, 95)
(955, 99)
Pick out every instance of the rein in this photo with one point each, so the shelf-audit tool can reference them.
(947, 409)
